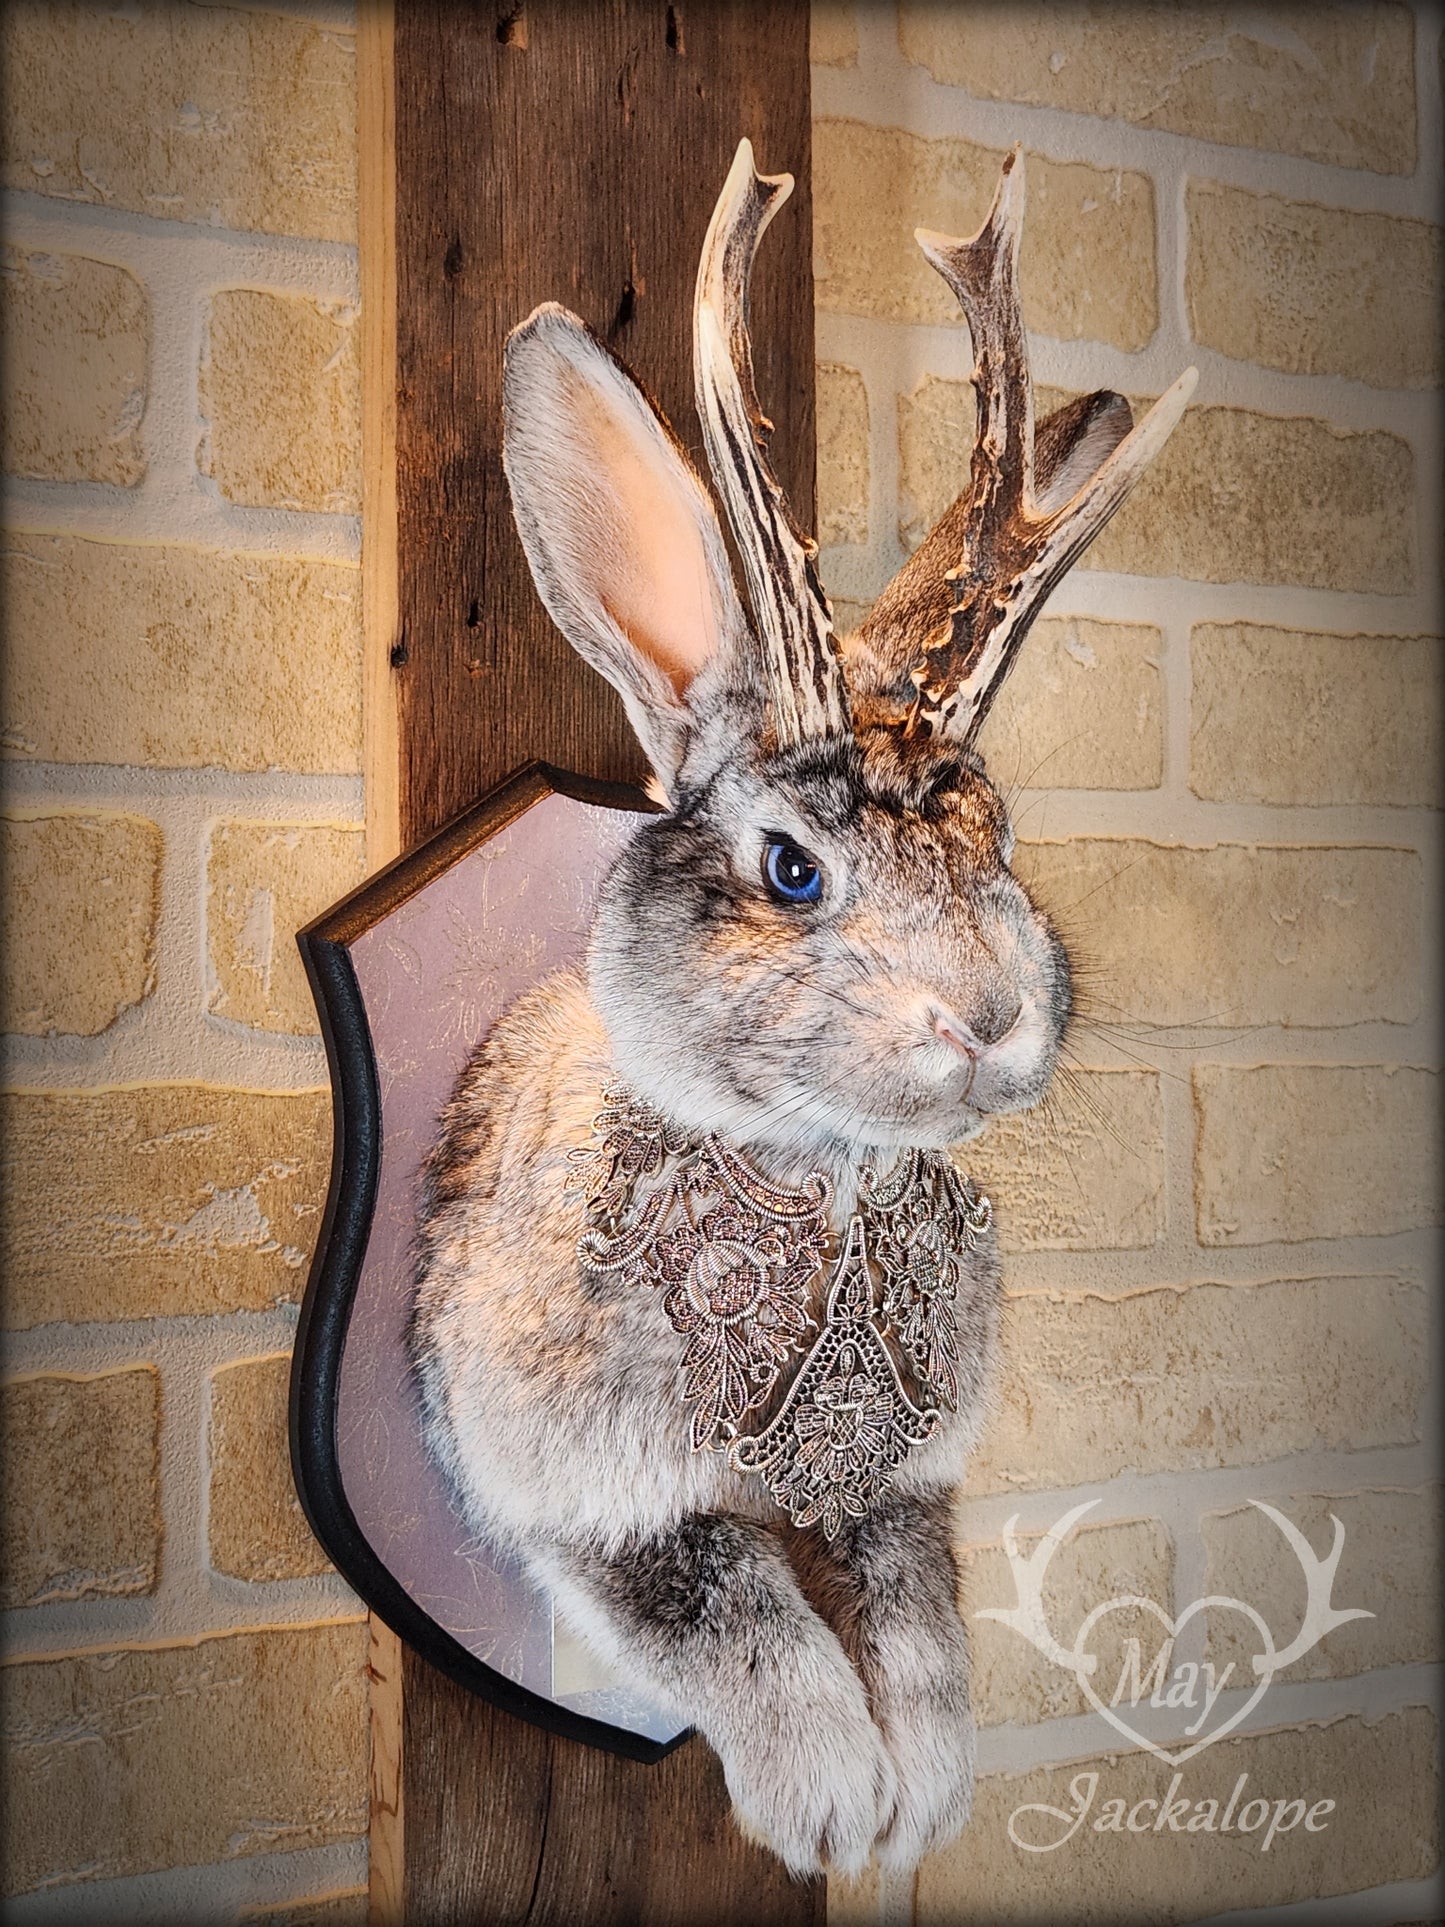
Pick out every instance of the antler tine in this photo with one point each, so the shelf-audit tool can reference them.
(794, 622)
(983, 273)
(1063, 538)
(1012, 553)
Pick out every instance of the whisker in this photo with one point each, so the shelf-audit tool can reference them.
(1072, 1076)
(1103, 884)
(1145, 1063)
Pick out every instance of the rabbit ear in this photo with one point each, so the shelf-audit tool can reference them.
(623, 542)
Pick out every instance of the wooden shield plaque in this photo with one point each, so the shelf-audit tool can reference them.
(410, 973)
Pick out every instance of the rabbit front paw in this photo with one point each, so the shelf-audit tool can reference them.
(814, 1782)
(930, 1738)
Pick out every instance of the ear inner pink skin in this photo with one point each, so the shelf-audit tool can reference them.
(623, 541)
(651, 578)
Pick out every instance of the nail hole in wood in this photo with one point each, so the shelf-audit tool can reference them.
(626, 308)
(512, 28)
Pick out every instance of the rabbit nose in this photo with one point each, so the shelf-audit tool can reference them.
(988, 1023)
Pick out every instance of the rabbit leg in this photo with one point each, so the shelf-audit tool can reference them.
(708, 1619)
(889, 1585)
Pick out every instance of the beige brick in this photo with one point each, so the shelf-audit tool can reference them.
(936, 426)
(186, 658)
(81, 1515)
(1332, 83)
(1083, 710)
(163, 1756)
(82, 894)
(833, 35)
(1382, 1776)
(159, 1200)
(227, 116)
(1086, 269)
(281, 389)
(1235, 496)
(1241, 497)
(1281, 716)
(257, 1527)
(1083, 1172)
(347, 1907)
(77, 341)
(1389, 1566)
(1168, 1379)
(842, 455)
(1011, 1680)
(1286, 1152)
(1317, 936)
(264, 882)
(1314, 290)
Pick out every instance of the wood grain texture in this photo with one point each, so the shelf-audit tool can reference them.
(505, 1823)
(381, 762)
(376, 130)
(563, 151)
(385, 1863)
(568, 152)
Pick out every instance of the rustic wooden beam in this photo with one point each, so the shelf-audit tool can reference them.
(381, 757)
(563, 150)
(513, 153)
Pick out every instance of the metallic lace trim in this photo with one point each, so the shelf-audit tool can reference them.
(925, 1218)
(736, 1256)
(847, 1424)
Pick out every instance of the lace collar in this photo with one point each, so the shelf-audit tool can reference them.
(736, 1258)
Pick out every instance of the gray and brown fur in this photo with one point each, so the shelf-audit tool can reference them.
(921, 996)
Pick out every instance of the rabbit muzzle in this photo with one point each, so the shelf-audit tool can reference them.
(1005, 1050)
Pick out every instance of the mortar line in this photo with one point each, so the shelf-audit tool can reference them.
(207, 1895)
(895, 94)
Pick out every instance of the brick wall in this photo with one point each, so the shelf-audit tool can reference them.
(1223, 747)
(185, 1701)
(1217, 1249)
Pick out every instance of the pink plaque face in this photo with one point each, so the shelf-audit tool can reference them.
(410, 974)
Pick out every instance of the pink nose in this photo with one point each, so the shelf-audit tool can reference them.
(959, 1036)
(991, 1023)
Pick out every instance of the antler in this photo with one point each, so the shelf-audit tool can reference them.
(1014, 552)
(1028, 1615)
(1320, 1616)
(795, 624)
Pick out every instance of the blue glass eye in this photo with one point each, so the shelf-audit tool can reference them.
(790, 873)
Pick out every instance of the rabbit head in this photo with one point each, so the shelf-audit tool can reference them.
(820, 946)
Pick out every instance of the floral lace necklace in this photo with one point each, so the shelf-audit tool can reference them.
(736, 1256)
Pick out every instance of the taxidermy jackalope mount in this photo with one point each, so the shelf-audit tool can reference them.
(705, 1307)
